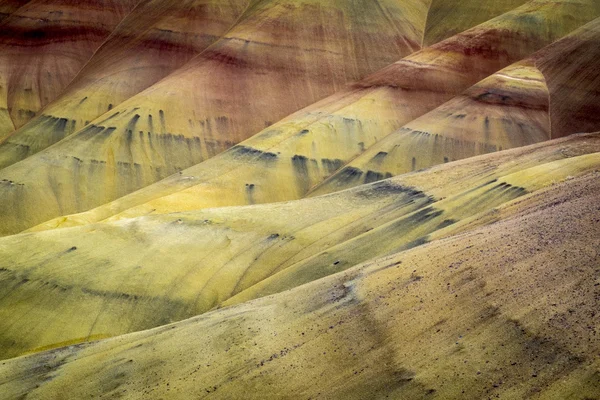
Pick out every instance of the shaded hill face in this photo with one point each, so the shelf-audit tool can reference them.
(447, 19)
(155, 39)
(574, 89)
(43, 45)
(546, 96)
(479, 314)
(7, 7)
(154, 270)
(290, 158)
(279, 55)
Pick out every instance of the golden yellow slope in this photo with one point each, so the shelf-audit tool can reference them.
(550, 95)
(284, 161)
(507, 310)
(413, 229)
(73, 285)
(282, 56)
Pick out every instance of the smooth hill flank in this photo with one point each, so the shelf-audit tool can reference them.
(155, 39)
(255, 171)
(279, 58)
(284, 161)
(507, 310)
(79, 284)
(43, 45)
(447, 19)
(160, 35)
(553, 94)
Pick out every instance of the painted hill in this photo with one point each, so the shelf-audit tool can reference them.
(271, 199)
(43, 45)
(279, 55)
(548, 96)
(477, 314)
(293, 157)
(154, 40)
(154, 270)
(160, 35)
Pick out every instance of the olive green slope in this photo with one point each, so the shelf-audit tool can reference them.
(152, 41)
(507, 310)
(550, 95)
(446, 18)
(43, 45)
(78, 284)
(284, 161)
(279, 58)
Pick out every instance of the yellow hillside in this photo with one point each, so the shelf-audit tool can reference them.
(102, 280)
(484, 313)
(300, 199)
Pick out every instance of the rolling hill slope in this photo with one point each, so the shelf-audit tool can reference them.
(161, 35)
(287, 160)
(63, 288)
(504, 310)
(552, 95)
(299, 199)
(279, 55)
(155, 39)
(447, 18)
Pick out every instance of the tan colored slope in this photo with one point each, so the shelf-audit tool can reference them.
(574, 89)
(550, 95)
(72, 285)
(152, 41)
(285, 160)
(43, 45)
(279, 58)
(508, 310)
